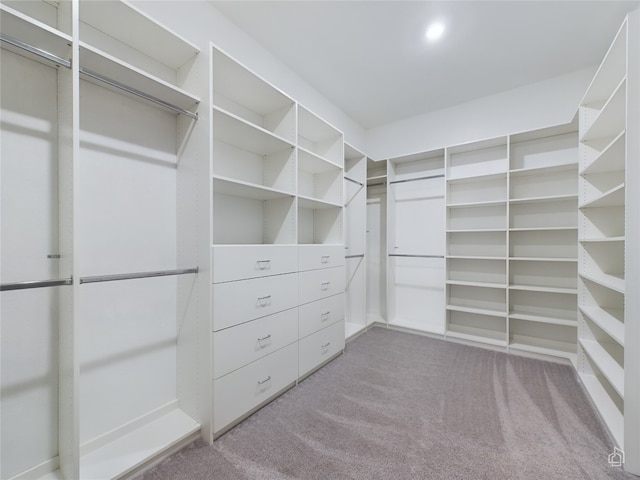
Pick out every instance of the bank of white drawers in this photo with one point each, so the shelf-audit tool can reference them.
(278, 313)
(239, 392)
(244, 300)
(319, 347)
(317, 315)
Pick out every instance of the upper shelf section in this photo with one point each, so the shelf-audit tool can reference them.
(478, 158)
(319, 138)
(241, 92)
(141, 41)
(35, 33)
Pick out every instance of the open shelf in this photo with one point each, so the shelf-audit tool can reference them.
(543, 151)
(527, 317)
(551, 198)
(611, 157)
(476, 284)
(543, 338)
(614, 282)
(246, 95)
(476, 327)
(610, 120)
(229, 186)
(477, 244)
(551, 305)
(317, 136)
(319, 179)
(477, 159)
(611, 369)
(611, 321)
(613, 197)
(489, 272)
(540, 215)
(608, 406)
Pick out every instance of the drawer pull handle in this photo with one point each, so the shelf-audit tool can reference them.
(325, 316)
(264, 301)
(326, 345)
(324, 285)
(262, 382)
(325, 258)
(264, 264)
(260, 340)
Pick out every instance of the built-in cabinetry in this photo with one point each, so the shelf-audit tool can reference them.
(512, 242)
(415, 241)
(102, 119)
(355, 214)
(609, 262)
(376, 242)
(277, 254)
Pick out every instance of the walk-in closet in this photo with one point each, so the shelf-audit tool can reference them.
(205, 205)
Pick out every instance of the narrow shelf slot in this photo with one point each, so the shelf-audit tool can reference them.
(610, 158)
(527, 317)
(611, 198)
(602, 358)
(610, 120)
(476, 327)
(543, 338)
(611, 321)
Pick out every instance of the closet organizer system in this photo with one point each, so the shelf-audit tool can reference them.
(98, 262)
(518, 243)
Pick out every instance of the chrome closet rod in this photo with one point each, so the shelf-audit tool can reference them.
(35, 50)
(418, 178)
(131, 276)
(416, 256)
(138, 93)
(35, 284)
(354, 181)
(355, 256)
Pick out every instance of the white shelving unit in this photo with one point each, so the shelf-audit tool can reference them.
(355, 215)
(376, 242)
(476, 242)
(415, 239)
(608, 270)
(119, 157)
(277, 250)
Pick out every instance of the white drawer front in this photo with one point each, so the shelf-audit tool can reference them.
(237, 346)
(317, 284)
(313, 257)
(244, 300)
(238, 392)
(316, 315)
(231, 262)
(320, 346)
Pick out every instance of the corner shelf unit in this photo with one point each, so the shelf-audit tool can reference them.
(124, 107)
(511, 249)
(608, 327)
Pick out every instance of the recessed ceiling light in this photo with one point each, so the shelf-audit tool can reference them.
(434, 31)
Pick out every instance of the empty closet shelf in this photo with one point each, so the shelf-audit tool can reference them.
(35, 284)
(414, 255)
(35, 50)
(405, 180)
(131, 276)
(599, 354)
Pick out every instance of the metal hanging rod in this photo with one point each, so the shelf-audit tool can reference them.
(137, 93)
(418, 178)
(131, 276)
(35, 50)
(35, 284)
(414, 256)
(355, 256)
(354, 181)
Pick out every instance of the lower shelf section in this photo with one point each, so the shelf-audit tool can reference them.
(605, 404)
(553, 349)
(138, 448)
(425, 326)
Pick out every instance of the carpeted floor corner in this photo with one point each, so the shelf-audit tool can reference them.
(402, 406)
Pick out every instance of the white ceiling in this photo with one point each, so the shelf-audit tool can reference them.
(370, 57)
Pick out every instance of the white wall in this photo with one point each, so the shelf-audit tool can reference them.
(200, 22)
(533, 106)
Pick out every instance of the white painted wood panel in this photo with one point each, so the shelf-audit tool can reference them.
(236, 262)
(320, 347)
(317, 284)
(319, 314)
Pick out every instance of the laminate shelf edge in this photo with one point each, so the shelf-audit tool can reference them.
(538, 288)
(543, 350)
(239, 188)
(610, 159)
(610, 120)
(546, 170)
(526, 317)
(476, 284)
(477, 311)
(613, 372)
(611, 282)
(554, 198)
(611, 198)
(602, 240)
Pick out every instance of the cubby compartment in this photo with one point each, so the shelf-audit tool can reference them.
(543, 338)
(477, 327)
(546, 307)
(319, 223)
(485, 189)
(252, 220)
(251, 156)
(602, 223)
(604, 262)
(542, 151)
(549, 182)
(477, 217)
(543, 275)
(557, 214)
(604, 307)
(605, 119)
(604, 352)
(468, 271)
(244, 94)
(319, 179)
(477, 159)
(477, 244)
(319, 138)
(486, 300)
(544, 244)
(603, 155)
